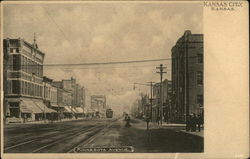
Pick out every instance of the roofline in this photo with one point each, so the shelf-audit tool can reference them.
(32, 47)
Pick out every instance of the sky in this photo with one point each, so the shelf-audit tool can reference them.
(104, 32)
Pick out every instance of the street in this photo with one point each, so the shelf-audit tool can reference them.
(73, 136)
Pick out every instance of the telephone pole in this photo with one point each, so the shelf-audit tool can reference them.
(151, 96)
(161, 72)
(151, 101)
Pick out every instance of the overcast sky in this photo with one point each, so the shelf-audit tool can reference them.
(104, 32)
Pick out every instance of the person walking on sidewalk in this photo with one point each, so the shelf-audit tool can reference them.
(199, 122)
(158, 120)
(147, 120)
(188, 123)
(194, 122)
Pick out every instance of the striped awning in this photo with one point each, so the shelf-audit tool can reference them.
(24, 108)
(44, 108)
(29, 106)
(67, 109)
(79, 110)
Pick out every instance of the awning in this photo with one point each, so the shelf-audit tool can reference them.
(30, 105)
(85, 110)
(74, 110)
(44, 107)
(79, 110)
(67, 109)
(90, 110)
(24, 108)
(55, 105)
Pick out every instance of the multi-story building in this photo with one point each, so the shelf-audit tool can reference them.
(187, 76)
(166, 100)
(156, 101)
(47, 90)
(77, 92)
(98, 102)
(167, 95)
(23, 80)
(64, 100)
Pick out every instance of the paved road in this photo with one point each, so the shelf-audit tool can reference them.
(76, 135)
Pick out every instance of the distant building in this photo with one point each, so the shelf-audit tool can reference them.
(166, 94)
(98, 102)
(77, 92)
(23, 80)
(64, 100)
(156, 101)
(187, 76)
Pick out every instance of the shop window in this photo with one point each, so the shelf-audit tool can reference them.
(14, 109)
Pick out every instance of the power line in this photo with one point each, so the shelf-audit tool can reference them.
(59, 28)
(113, 63)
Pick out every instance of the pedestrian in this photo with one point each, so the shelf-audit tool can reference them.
(127, 121)
(158, 120)
(188, 123)
(25, 118)
(199, 122)
(147, 120)
(194, 122)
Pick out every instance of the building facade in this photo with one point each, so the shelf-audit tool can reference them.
(167, 95)
(23, 80)
(156, 101)
(187, 76)
(77, 92)
(166, 100)
(98, 103)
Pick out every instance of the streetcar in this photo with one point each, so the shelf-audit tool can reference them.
(109, 113)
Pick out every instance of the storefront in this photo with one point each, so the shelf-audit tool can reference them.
(67, 112)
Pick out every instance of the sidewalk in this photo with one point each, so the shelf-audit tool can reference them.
(181, 126)
(173, 124)
(196, 133)
(47, 121)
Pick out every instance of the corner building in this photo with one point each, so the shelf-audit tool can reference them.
(187, 76)
(23, 80)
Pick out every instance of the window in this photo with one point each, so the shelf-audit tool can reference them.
(15, 87)
(200, 100)
(199, 77)
(16, 62)
(200, 58)
(23, 87)
(9, 86)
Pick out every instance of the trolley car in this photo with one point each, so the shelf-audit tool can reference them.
(109, 113)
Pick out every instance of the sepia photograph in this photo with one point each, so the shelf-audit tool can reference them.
(106, 77)
(103, 77)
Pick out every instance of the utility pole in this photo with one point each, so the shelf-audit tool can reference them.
(151, 100)
(161, 72)
(151, 96)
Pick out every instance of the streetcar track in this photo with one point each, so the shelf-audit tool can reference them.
(26, 141)
(73, 133)
(63, 138)
(92, 138)
(20, 144)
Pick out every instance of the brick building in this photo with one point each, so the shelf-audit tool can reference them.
(23, 80)
(187, 76)
(167, 94)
